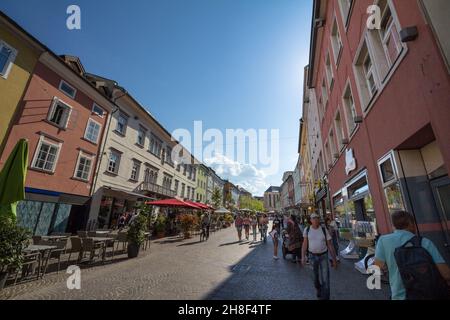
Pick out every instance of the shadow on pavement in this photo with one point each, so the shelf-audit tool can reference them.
(228, 243)
(190, 243)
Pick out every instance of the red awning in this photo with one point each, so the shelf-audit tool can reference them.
(198, 204)
(172, 203)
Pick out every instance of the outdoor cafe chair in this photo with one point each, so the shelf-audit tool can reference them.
(122, 237)
(89, 246)
(92, 234)
(30, 267)
(37, 240)
(55, 254)
(82, 234)
(75, 247)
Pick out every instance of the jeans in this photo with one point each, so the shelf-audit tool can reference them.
(321, 275)
(263, 231)
(254, 233)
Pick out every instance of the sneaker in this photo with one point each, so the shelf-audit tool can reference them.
(275, 257)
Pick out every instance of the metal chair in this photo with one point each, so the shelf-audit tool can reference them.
(75, 247)
(37, 240)
(55, 254)
(91, 247)
(122, 237)
(92, 234)
(82, 234)
(31, 265)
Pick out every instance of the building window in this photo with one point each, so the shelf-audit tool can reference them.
(365, 75)
(141, 136)
(193, 194)
(122, 122)
(46, 155)
(350, 109)
(333, 151)
(177, 183)
(92, 131)
(336, 42)
(7, 57)
(84, 166)
(155, 146)
(59, 113)
(328, 156)
(96, 109)
(329, 71)
(183, 187)
(184, 169)
(151, 175)
(345, 6)
(135, 170)
(169, 159)
(324, 94)
(114, 162)
(167, 181)
(67, 89)
(340, 135)
(390, 183)
(389, 34)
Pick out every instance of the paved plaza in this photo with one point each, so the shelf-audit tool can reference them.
(221, 268)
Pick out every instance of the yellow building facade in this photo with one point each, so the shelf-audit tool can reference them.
(18, 57)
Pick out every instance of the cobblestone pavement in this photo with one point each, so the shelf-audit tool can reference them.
(176, 269)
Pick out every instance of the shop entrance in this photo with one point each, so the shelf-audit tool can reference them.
(441, 193)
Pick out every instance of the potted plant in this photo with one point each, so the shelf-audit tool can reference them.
(160, 226)
(187, 221)
(13, 239)
(136, 235)
(346, 233)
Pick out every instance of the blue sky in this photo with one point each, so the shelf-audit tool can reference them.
(229, 63)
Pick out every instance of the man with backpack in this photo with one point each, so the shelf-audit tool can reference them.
(416, 268)
(317, 244)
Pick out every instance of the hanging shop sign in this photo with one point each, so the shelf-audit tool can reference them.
(350, 161)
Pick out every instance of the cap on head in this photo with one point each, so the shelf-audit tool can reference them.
(315, 216)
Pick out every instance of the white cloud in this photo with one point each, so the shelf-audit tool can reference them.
(244, 175)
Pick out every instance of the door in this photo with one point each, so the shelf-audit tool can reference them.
(441, 193)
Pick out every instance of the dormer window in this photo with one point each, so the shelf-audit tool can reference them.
(67, 89)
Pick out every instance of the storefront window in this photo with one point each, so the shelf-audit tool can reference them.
(391, 184)
(394, 197)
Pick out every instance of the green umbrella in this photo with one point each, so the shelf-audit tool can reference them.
(12, 180)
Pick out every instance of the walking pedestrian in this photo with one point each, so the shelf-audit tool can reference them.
(246, 223)
(275, 235)
(334, 232)
(428, 281)
(317, 244)
(254, 223)
(295, 238)
(238, 223)
(263, 225)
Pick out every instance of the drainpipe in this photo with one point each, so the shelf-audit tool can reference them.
(94, 185)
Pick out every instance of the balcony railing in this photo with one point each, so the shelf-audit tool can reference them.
(155, 188)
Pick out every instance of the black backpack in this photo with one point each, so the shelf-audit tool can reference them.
(420, 276)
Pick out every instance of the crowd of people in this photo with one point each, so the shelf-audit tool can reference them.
(401, 254)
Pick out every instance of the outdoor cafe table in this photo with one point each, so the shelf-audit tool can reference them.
(42, 249)
(104, 240)
(54, 238)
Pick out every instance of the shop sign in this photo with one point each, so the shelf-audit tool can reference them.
(350, 161)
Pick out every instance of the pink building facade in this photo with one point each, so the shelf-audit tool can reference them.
(63, 117)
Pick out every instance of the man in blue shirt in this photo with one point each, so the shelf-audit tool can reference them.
(384, 255)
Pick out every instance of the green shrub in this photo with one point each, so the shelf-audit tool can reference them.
(13, 239)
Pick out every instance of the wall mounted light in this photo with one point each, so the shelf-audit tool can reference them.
(409, 34)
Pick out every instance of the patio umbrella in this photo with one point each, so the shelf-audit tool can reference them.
(198, 204)
(222, 211)
(176, 203)
(12, 180)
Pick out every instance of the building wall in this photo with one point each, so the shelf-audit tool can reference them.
(13, 86)
(202, 181)
(414, 95)
(127, 145)
(34, 110)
